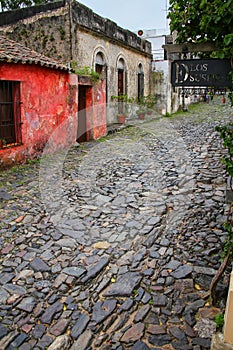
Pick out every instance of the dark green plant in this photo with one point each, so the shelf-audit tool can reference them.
(122, 98)
(16, 4)
(140, 111)
(226, 134)
(146, 103)
(44, 41)
(62, 33)
(23, 32)
(228, 244)
(94, 76)
(219, 320)
(150, 101)
(203, 21)
(230, 95)
(3, 141)
(124, 103)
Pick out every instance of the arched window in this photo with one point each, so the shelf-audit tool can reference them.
(99, 62)
(140, 69)
(120, 64)
(140, 82)
(121, 76)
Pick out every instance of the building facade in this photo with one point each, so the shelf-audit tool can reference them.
(28, 83)
(71, 32)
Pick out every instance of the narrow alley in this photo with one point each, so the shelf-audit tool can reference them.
(116, 248)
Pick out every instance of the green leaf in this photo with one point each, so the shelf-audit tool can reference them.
(228, 39)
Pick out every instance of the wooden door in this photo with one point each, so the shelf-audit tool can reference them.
(140, 86)
(120, 82)
(82, 122)
(7, 112)
(120, 90)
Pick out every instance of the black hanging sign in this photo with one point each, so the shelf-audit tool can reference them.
(200, 73)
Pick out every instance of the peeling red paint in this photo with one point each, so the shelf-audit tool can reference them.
(47, 100)
(100, 119)
(96, 119)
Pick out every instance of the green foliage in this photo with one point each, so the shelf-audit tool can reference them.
(44, 41)
(33, 161)
(62, 32)
(85, 71)
(122, 98)
(17, 4)
(231, 98)
(219, 320)
(140, 111)
(103, 139)
(226, 134)
(150, 101)
(202, 21)
(3, 141)
(228, 244)
(147, 101)
(124, 103)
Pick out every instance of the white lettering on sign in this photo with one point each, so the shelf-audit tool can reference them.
(197, 72)
(185, 72)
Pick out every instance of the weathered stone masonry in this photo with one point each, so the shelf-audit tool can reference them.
(70, 31)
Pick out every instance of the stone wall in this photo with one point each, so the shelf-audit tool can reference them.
(86, 18)
(39, 117)
(14, 16)
(89, 44)
(49, 28)
(70, 31)
(45, 32)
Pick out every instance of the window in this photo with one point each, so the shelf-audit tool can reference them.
(140, 82)
(121, 76)
(10, 124)
(99, 63)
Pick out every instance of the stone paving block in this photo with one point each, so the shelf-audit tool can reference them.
(125, 285)
(124, 257)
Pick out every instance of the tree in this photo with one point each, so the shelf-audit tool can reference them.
(16, 4)
(204, 20)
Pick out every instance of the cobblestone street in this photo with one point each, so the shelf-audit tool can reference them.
(117, 249)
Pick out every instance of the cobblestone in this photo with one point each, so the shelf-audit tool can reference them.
(118, 249)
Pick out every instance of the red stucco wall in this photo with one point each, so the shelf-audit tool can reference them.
(96, 118)
(99, 115)
(48, 99)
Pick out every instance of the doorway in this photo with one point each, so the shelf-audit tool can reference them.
(120, 82)
(101, 69)
(140, 82)
(82, 114)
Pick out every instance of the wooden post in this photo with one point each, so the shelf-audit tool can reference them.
(228, 327)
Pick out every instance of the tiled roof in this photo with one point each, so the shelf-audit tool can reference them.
(11, 51)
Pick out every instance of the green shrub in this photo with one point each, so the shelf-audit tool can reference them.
(219, 320)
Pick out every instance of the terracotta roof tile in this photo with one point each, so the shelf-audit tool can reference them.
(11, 51)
